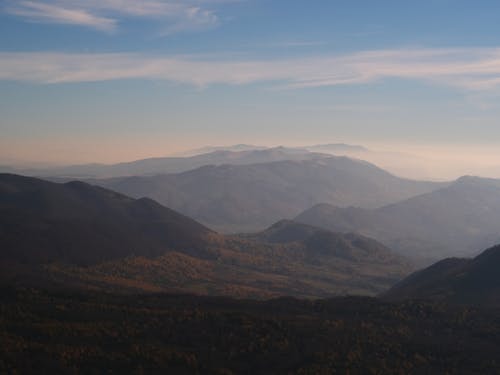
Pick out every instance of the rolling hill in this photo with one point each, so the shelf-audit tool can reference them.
(465, 281)
(316, 241)
(452, 221)
(75, 235)
(237, 198)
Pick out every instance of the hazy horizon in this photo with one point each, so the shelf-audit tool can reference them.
(432, 162)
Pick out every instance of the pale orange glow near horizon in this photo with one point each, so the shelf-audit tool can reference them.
(406, 159)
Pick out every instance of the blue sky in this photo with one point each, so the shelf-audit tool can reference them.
(110, 80)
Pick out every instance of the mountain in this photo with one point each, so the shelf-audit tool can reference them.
(209, 149)
(315, 240)
(75, 223)
(401, 163)
(75, 235)
(465, 281)
(330, 148)
(236, 198)
(455, 220)
(164, 165)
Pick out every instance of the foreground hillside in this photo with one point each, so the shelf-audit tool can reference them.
(68, 333)
(84, 236)
(244, 268)
(464, 281)
(238, 198)
(75, 223)
(456, 220)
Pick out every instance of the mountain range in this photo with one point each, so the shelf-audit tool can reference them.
(209, 149)
(78, 235)
(238, 155)
(398, 163)
(456, 220)
(236, 198)
(328, 148)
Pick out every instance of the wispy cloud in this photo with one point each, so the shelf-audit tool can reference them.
(45, 12)
(105, 15)
(192, 19)
(473, 69)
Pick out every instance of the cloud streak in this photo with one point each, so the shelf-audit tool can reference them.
(105, 15)
(43, 12)
(473, 69)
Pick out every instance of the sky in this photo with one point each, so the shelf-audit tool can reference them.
(116, 80)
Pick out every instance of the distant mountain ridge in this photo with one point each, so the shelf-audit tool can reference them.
(209, 149)
(329, 148)
(236, 198)
(164, 165)
(455, 220)
(239, 154)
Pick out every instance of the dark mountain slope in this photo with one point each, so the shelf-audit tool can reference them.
(77, 223)
(453, 221)
(252, 197)
(82, 236)
(464, 281)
